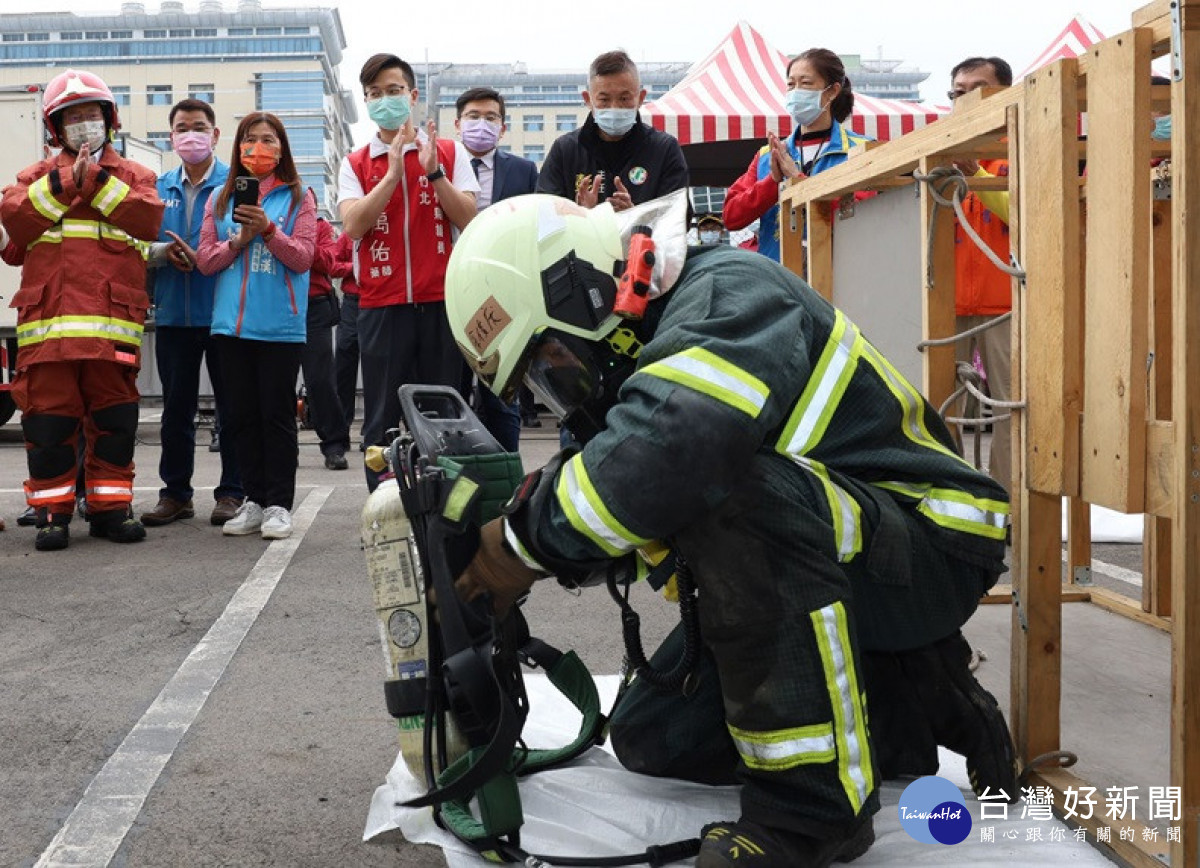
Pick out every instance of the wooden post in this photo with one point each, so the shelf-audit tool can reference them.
(938, 308)
(1051, 256)
(1036, 669)
(1185, 554)
(818, 222)
(1118, 272)
(1156, 551)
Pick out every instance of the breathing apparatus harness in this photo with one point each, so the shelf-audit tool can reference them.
(453, 476)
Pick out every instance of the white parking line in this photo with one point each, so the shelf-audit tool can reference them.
(1112, 571)
(110, 805)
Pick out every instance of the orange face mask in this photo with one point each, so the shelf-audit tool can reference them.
(259, 158)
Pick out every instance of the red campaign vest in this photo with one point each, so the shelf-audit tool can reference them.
(413, 222)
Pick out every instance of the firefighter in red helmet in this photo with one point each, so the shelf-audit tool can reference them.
(83, 220)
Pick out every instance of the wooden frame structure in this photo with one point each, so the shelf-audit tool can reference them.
(1110, 277)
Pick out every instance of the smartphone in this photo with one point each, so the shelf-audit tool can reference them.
(245, 191)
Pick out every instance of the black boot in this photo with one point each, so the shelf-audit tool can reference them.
(118, 525)
(54, 533)
(963, 716)
(902, 739)
(746, 844)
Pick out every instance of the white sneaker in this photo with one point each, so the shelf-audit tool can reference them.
(276, 523)
(248, 519)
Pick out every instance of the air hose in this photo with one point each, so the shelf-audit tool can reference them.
(673, 680)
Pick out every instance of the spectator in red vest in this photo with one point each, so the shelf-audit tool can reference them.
(400, 198)
(346, 339)
(324, 408)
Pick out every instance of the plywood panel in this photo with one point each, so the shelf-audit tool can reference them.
(1118, 272)
(1050, 251)
(937, 266)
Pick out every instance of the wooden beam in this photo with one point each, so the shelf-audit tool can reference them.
(1160, 466)
(1128, 607)
(1137, 853)
(1003, 594)
(791, 234)
(1185, 381)
(1160, 454)
(1049, 251)
(1118, 273)
(950, 134)
(1079, 536)
(938, 312)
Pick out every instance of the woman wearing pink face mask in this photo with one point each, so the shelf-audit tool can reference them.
(261, 255)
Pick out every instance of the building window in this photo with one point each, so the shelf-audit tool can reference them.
(537, 153)
(241, 31)
(162, 141)
(206, 92)
(270, 31)
(14, 37)
(180, 33)
(158, 94)
(70, 34)
(205, 31)
(154, 34)
(533, 124)
(290, 91)
(97, 34)
(505, 148)
(565, 123)
(296, 31)
(120, 34)
(39, 37)
(121, 94)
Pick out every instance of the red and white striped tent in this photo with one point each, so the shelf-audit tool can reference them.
(1077, 37)
(737, 92)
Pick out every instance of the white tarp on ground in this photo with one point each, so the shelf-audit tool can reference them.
(597, 808)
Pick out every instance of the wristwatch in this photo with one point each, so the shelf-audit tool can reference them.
(436, 174)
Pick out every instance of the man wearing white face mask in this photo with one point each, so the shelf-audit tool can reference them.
(183, 299)
(613, 157)
(401, 197)
(480, 123)
(84, 219)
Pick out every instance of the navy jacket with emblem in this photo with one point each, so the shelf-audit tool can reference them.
(649, 163)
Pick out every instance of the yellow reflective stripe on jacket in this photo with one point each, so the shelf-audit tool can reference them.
(43, 200)
(92, 230)
(835, 368)
(912, 405)
(785, 748)
(588, 514)
(954, 509)
(56, 328)
(845, 695)
(109, 196)
(844, 511)
(711, 375)
(519, 548)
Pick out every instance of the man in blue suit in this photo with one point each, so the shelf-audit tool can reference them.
(480, 124)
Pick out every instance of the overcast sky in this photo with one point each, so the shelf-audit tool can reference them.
(931, 35)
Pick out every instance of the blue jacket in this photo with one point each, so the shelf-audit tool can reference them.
(840, 142)
(257, 298)
(185, 298)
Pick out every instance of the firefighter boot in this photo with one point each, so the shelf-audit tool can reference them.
(118, 525)
(963, 715)
(54, 533)
(746, 844)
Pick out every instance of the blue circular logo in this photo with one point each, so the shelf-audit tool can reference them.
(932, 811)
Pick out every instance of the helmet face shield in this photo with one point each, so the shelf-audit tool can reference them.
(557, 375)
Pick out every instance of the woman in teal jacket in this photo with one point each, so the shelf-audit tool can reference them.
(819, 99)
(261, 255)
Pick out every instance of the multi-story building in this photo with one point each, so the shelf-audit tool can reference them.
(884, 79)
(240, 58)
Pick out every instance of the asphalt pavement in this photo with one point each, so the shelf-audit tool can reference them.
(203, 700)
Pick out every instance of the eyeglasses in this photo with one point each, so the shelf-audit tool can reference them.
(952, 95)
(375, 93)
(490, 117)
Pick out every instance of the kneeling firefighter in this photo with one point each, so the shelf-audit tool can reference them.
(836, 539)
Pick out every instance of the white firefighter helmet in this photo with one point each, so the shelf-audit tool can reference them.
(524, 266)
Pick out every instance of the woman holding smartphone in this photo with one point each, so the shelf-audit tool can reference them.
(261, 248)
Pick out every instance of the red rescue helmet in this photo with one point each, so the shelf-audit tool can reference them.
(77, 86)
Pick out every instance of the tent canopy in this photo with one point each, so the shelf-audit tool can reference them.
(730, 100)
(1077, 37)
